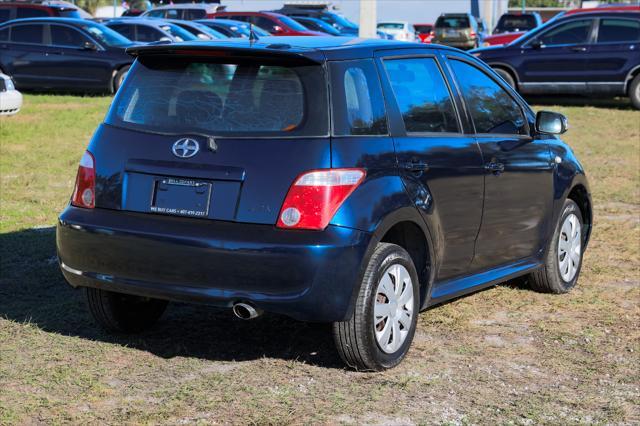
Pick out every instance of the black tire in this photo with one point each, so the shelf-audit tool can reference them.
(119, 77)
(506, 76)
(122, 313)
(548, 279)
(634, 92)
(355, 339)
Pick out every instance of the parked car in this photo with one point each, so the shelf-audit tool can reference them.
(42, 9)
(315, 24)
(274, 23)
(233, 29)
(596, 53)
(399, 30)
(459, 30)
(517, 22)
(10, 98)
(149, 30)
(337, 21)
(225, 182)
(197, 29)
(424, 32)
(500, 39)
(63, 54)
(186, 11)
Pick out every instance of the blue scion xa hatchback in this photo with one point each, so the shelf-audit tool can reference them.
(329, 179)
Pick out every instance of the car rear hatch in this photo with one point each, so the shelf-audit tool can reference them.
(215, 133)
(453, 28)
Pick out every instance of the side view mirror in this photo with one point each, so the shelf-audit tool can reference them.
(551, 123)
(87, 45)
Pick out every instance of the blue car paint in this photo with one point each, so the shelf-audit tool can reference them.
(310, 275)
(584, 68)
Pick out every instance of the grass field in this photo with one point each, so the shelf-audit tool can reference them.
(504, 355)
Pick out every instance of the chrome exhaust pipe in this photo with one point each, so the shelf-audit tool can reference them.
(246, 311)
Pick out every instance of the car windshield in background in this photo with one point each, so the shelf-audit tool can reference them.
(70, 13)
(390, 26)
(106, 35)
(509, 23)
(453, 22)
(179, 33)
(222, 98)
(294, 25)
(340, 20)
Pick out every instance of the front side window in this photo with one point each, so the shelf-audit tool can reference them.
(156, 14)
(576, 32)
(192, 14)
(222, 97)
(172, 14)
(66, 36)
(124, 30)
(619, 30)
(422, 95)
(148, 34)
(30, 12)
(358, 105)
(491, 107)
(5, 14)
(30, 33)
(4, 34)
(265, 24)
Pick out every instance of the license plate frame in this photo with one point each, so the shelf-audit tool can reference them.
(181, 197)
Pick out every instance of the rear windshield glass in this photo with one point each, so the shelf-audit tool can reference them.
(222, 97)
(453, 22)
(390, 26)
(510, 23)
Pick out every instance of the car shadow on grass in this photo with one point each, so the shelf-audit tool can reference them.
(33, 290)
(582, 101)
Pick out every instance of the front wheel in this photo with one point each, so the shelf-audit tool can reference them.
(123, 313)
(118, 79)
(634, 92)
(564, 255)
(380, 331)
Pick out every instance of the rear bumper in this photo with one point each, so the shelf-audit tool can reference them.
(306, 275)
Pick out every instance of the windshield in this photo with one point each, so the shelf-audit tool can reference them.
(390, 26)
(208, 30)
(292, 24)
(106, 35)
(456, 22)
(510, 23)
(340, 20)
(222, 97)
(180, 34)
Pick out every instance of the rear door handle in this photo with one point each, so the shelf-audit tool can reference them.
(578, 49)
(494, 167)
(416, 166)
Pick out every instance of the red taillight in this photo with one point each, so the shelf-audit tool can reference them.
(316, 196)
(472, 34)
(84, 194)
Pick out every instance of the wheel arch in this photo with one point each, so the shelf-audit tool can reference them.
(114, 73)
(508, 68)
(580, 195)
(630, 76)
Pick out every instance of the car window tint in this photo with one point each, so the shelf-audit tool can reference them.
(29, 12)
(4, 34)
(453, 22)
(422, 95)
(156, 14)
(358, 105)
(148, 34)
(264, 23)
(172, 14)
(618, 30)
(191, 14)
(5, 14)
(576, 32)
(491, 107)
(124, 30)
(31, 33)
(66, 36)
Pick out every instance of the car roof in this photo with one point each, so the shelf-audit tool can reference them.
(315, 49)
(154, 22)
(59, 20)
(206, 6)
(226, 22)
(601, 12)
(43, 5)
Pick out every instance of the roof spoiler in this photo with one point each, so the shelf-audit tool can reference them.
(255, 50)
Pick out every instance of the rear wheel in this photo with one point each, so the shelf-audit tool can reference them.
(634, 92)
(380, 331)
(121, 312)
(506, 76)
(119, 77)
(564, 256)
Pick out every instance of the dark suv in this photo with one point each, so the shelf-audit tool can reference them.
(40, 9)
(587, 53)
(355, 182)
(461, 30)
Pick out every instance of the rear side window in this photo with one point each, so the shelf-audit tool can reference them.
(358, 105)
(5, 14)
(30, 12)
(618, 30)
(124, 30)
(491, 107)
(422, 95)
(65, 36)
(4, 34)
(172, 14)
(223, 97)
(576, 32)
(31, 33)
(191, 14)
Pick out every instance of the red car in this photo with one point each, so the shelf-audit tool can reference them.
(499, 39)
(424, 32)
(45, 9)
(603, 9)
(274, 23)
